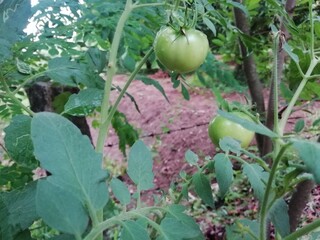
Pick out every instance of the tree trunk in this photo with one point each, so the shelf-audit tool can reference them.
(250, 71)
(41, 96)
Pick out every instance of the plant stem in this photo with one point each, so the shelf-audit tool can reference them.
(121, 217)
(312, 54)
(295, 97)
(112, 68)
(304, 230)
(265, 205)
(124, 89)
(148, 5)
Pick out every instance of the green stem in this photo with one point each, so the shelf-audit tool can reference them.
(148, 5)
(287, 112)
(276, 81)
(27, 80)
(304, 230)
(112, 68)
(124, 89)
(312, 53)
(265, 205)
(95, 231)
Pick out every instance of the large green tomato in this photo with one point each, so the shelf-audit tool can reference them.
(183, 51)
(221, 127)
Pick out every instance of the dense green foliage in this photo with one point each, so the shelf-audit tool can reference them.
(83, 45)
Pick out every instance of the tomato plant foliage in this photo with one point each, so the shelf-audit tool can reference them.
(81, 45)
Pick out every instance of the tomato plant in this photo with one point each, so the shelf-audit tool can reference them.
(181, 51)
(221, 127)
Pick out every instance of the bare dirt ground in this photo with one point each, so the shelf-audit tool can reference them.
(171, 128)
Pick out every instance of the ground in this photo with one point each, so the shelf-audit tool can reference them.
(171, 128)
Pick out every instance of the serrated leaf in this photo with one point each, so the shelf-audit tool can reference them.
(224, 172)
(61, 209)
(234, 231)
(140, 166)
(229, 144)
(210, 25)
(185, 92)
(71, 159)
(18, 141)
(255, 127)
(288, 50)
(133, 231)
(191, 157)
(17, 211)
(84, 102)
(120, 191)
(299, 126)
(257, 178)
(177, 225)
(280, 218)
(309, 152)
(203, 188)
(156, 84)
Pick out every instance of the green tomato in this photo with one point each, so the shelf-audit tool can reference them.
(183, 51)
(221, 127)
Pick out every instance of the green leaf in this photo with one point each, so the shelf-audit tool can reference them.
(288, 50)
(185, 92)
(255, 127)
(18, 141)
(65, 213)
(224, 172)
(314, 236)
(120, 191)
(14, 16)
(299, 126)
(63, 237)
(70, 73)
(71, 159)
(191, 157)
(230, 144)
(210, 25)
(280, 218)
(257, 178)
(156, 84)
(133, 231)
(84, 102)
(140, 166)
(203, 188)
(236, 230)
(17, 211)
(309, 152)
(177, 225)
